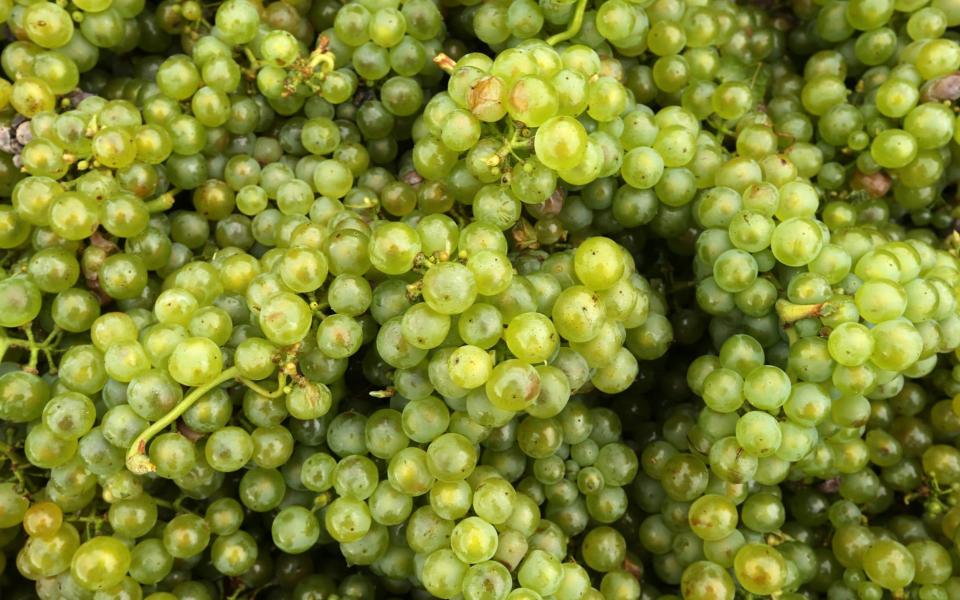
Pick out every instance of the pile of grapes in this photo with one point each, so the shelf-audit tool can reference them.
(479, 299)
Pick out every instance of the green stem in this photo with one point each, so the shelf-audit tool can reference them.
(236, 593)
(281, 381)
(8, 452)
(320, 57)
(137, 460)
(163, 202)
(320, 501)
(324, 60)
(94, 519)
(414, 290)
(50, 342)
(250, 57)
(53, 337)
(574, 27)
(34, 349)
(445, 63)
(791, 313)
(50, 364)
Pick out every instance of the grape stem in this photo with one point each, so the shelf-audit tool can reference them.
(33, 346)
(162, 202)
(254, 63)
(633, 568)
(414, 290)
(791, 313)
(236, 593)
(445, 63)
(517, 141)
(574, 27)
(281, 382)
(8, 452)
(137, 460)
(320, 57)
(320, 501)
(34, 351)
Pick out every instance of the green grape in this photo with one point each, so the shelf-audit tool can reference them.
(261, 490)
(759, 433)
(642, 168)
(532, 101)
(880, 300)
(713, 517)
(443, 573)
(850, 344)
(449, 288)
(603, 549)
(31, 96)
(339, 336)
(233, 554)
(474, 540)
(540, 572)
(14, 503)
(488, 579)
(929, 557)
(285, 318)
(21, 299)
(393, 248)
(493, 500)
(69, 415)
(893, 148)
(48, 25)
(73, 215)
(295, 530)
(195, 361)
(229, 449)
(706, 579)
(759, 568)
(796, 242)
(560, 142)
(332, 178)
(100, 563)
(889, 564)
(897, 345)
(469, 366)
(512, 385)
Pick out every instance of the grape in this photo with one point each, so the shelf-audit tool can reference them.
(642, 167)
(532, 101)
(234, 553)
(759, 567)
(486, 579)
(48, 25)
(578, 297)
(100, 563)
(540, 572)
(889, 564)
(22, 299)
(560, 142)
(443, 573)
(704, 579)
(449, 288)
(295, 530)
(237, 21)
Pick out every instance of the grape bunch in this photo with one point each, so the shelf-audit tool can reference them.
(480, 300)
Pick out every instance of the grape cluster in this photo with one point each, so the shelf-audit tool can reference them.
(529, 300)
